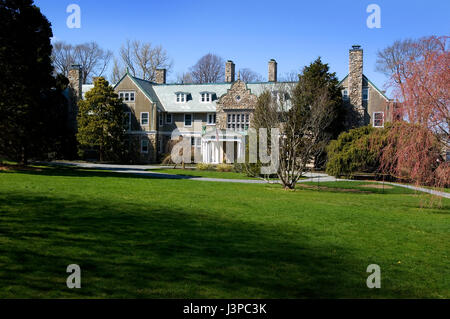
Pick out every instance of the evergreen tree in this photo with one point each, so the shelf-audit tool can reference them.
(101, 122)
(26, 80)
(317, 80)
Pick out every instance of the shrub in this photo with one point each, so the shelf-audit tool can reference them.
(249, 169)
(224, 168)
(357, 150)
(205, 167)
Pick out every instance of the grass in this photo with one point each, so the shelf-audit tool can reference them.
(200, 173)
(161, 238)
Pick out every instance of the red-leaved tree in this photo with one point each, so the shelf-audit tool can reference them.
(420, 79)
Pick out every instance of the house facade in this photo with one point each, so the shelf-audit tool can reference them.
(215, 117)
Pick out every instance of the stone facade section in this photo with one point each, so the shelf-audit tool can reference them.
(238, 98)
(229, 71)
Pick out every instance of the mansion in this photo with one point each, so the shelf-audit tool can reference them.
(157, 110)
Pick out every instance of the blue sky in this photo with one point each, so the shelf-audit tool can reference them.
(252, 32)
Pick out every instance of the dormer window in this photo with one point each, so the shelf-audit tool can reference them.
(205, 97)
(181, 97)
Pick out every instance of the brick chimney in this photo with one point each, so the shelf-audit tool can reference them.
(355, 78)
(75, 81)
(229, 71)
(160, 76)
(272, 70)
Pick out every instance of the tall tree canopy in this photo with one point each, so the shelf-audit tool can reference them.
(143, 58)
(101, 122)
(210, 68)
(90, 56)
(248, 75)
(307, 115)
(420, 79)
(26, 79)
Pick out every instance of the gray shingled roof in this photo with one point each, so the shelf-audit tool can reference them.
(167, 96)
(164, 95)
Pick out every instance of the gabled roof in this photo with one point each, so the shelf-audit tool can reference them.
(371, 83)
(164, 95)
(145, 86)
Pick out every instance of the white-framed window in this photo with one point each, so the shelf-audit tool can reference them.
(345, 94)
(196, 141)
(238, 121)
(127, 121)
(168, 118)
(205, 97)
(211, 119)
(127, 96)
(365, 94)
(144, 118)
(188, 119)
(160, 118)
(181, 97)
(144, 145)
(378, 119)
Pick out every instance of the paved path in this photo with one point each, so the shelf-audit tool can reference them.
(142, 170)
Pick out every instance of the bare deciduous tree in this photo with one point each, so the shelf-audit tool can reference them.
(185, 78)
(302, 130)
(304, 113)
(142, 59)
(93, 59)
(248, 75)
(290, 76)
(62, 57)
(209, 69)
(117, 72)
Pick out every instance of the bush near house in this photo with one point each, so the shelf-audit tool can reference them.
(224, 168)
(204, 167)
(356, 151)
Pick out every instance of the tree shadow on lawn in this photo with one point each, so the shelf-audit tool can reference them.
(127, 250)
(72, 171)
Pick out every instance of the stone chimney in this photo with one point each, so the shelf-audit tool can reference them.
(229, 71)
(161, 76)
(355, 78)
(272, 70)
(75, 81)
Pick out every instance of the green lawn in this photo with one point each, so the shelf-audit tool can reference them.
(200, 173)
(142, 237)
